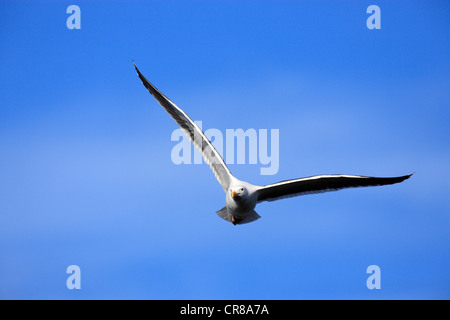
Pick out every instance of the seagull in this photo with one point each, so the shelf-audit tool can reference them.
(241, 197)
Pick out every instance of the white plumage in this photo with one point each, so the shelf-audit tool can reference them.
(242, 197)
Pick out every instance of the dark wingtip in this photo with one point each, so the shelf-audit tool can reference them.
(406, 177)
(146, 83)
(139, 74)
(136, 68)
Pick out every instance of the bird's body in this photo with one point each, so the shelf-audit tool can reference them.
(242, 197)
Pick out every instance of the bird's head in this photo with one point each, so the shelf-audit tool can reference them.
(237, 192)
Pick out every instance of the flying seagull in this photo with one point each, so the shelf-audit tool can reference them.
(242, 197)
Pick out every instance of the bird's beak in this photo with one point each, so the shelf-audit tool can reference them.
(234, 194)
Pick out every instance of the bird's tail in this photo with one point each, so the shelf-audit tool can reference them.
(225, 213)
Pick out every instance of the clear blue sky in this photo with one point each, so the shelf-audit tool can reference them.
(86, 176)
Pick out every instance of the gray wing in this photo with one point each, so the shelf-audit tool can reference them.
(321, 183)
(194, 133)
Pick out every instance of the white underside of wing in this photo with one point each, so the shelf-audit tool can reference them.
(194, 133)
(287, 182)
(320, 184)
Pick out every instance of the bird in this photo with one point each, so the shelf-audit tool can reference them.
(241, 197)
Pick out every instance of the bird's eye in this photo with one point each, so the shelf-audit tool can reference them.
(242, 189)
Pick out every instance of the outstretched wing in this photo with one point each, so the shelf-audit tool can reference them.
(194, 133)
(321, 183)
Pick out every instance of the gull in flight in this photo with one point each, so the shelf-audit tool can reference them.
(241, 197)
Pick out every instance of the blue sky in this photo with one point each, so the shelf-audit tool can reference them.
(86, 176)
